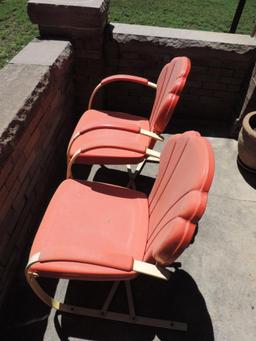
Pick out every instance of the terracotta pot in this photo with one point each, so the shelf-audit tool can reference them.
(247, 141)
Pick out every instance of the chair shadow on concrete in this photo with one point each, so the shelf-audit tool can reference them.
(117, 177)
(178, 299)
(26, 317)
(112, 176)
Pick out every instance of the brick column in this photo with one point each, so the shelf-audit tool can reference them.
(82, 22)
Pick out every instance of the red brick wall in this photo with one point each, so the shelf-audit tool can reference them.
(83, 24)
(216, 85)
(31, 167)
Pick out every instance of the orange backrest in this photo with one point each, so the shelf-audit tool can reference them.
(178, 197)
(170, 83)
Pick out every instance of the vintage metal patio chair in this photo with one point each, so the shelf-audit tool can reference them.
(101, 232)
(117, 128)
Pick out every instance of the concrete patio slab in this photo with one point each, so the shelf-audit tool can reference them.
(214, 291)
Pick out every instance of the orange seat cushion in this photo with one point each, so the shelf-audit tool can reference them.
(94, 118)
(98, 218)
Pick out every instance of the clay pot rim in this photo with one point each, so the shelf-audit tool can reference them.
(246, 123)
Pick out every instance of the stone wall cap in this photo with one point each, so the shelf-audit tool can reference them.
(22, 84)
(83, 14)
(182, 38)
(41, 52)
(75, 3)
(17, 84)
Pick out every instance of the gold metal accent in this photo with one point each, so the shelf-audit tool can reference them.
(71, 142)
(152, 85)
(151, 270)
(70, 163)
(153, 153)
(93, 94)
(151, 134)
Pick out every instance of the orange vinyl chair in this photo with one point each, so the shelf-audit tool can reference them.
(100, 232)
(117, 128)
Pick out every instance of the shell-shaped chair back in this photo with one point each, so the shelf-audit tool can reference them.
(170, 83)
(178, 198)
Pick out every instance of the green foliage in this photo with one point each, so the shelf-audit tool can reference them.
(212, 15)
(207, 15)
(15, 28)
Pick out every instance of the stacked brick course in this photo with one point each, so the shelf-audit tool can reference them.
(82, 23)
(216, 85)
(32, 149)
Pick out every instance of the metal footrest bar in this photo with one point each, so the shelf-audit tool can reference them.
(110, 315)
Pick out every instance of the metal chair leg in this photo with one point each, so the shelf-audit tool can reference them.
(104, 313)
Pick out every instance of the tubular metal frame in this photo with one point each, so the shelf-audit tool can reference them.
(100, 85)
(104, 312)
(147, 151)
(142, 131)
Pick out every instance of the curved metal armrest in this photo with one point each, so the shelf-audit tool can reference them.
(117, 261)
(120, 78)
(133, 128)
(133, 148)
(124, 78)
(87, 256)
